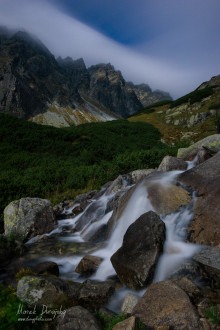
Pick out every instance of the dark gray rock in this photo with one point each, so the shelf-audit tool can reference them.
(209, 260)
(48, 267)
(136, 260)
(77, 318)
(94, 294)
(188, 269)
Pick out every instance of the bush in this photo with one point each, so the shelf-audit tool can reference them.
(39, 161)
(217, 123)
(214, 106)
(213, 313)
(195, 96)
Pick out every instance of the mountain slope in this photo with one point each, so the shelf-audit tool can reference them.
(36, 86)
(190, 117)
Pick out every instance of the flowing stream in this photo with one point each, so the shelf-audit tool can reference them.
(66, 246)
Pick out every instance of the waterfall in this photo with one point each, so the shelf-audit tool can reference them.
(176, 250)
(136, 206)
(81, 228)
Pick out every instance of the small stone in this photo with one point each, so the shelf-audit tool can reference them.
(128, 324)
(88, 265)
(129, 303)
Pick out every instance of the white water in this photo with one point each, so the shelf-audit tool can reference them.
(176, 250)
(137, 205)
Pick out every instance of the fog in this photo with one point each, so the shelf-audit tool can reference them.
(170, 60)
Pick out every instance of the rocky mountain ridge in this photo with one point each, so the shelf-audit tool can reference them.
(36, 86)
(147, 96)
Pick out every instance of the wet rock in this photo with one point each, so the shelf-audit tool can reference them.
(167, 198)
(170, 163)
(77, 318)
(113, 202)
(128, 324)
(94, 212)
(46, 290)
(140, 174)
(94, 294)
(209, 260)
(119, 183)
(118, 209)
(205, 179)
(129, 303)
(188, 269)
(48, 267)
(88, 265)
(212, 143)
(165, 303)
(28, 217)
(136, 260)
(85, 197)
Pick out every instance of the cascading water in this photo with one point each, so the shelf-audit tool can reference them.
(137, 205)
(82, 227)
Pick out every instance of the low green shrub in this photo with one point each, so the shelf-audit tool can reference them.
(195, 96)
(214, 106)
(217, 123)
(213, 314)
(108, 322)
(41, 161)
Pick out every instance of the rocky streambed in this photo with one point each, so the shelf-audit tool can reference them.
(146, 244)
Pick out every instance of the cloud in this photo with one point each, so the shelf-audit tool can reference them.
(66, 36)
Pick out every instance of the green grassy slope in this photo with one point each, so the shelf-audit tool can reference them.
(43, 161)
(191, 117)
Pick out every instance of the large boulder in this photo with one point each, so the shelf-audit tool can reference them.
(136, 259)
(28, 217)
(167, 198)
(77, 318)
(45, 290)
(166, 304)
(209, 260)
(205, 179)
(212, 143)
(170, 163)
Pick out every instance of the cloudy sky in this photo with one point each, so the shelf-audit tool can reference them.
(172, 45)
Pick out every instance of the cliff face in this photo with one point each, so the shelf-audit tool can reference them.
(36, 86)
(30, 78)
(109, 88)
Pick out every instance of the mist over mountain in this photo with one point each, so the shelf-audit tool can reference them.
(62, 92)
